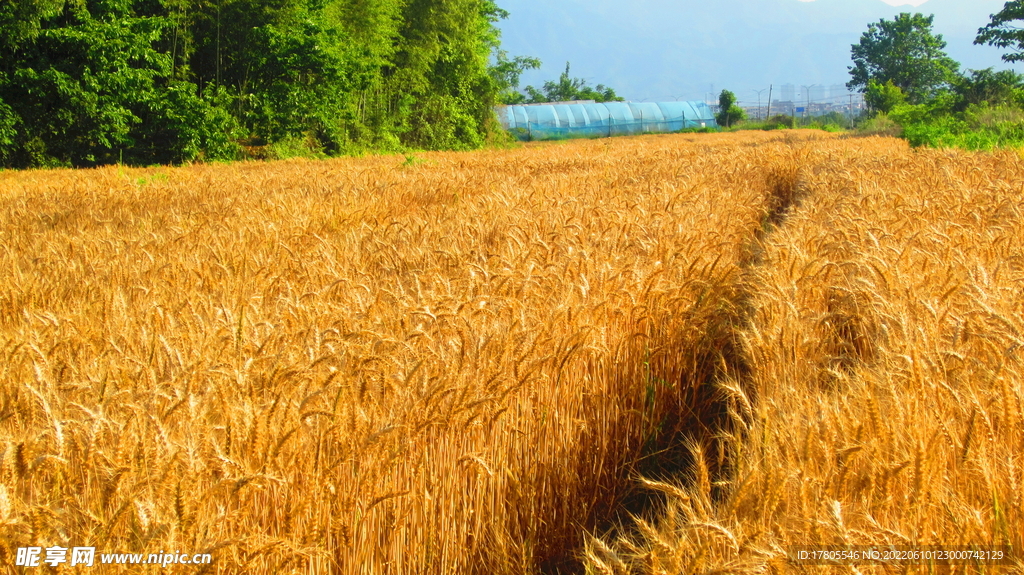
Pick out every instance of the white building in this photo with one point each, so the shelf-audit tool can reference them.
(838, 94)
(817, 94)
(787, 93)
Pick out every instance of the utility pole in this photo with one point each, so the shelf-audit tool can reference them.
(807, 93)
(759, 101)
(768, 115)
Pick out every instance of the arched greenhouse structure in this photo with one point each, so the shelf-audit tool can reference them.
(595, 120)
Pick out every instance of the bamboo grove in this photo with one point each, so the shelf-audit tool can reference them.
(89, 82)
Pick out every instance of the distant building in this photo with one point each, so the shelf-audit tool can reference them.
(817, 93)
(838, 94)
(788, 93)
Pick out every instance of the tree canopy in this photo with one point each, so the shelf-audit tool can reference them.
(728, 112)
(988, 86)
(1006, 30)
(506, 74)
(883, 97)
(566, 89)
(146, 81)
(903, 51)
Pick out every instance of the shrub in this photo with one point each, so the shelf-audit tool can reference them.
(305, 146)
(780, 121)
(883, 97)
(879, 125)
(980, 127)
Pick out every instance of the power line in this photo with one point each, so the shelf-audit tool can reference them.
(830, 99)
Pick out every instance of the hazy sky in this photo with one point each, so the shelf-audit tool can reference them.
(894, 2)
(684, 49)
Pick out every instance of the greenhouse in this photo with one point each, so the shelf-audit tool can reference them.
(595, 120)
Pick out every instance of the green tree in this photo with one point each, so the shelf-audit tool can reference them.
(75, 87)
(568, 89)
(366, 37)
(599, 93)
(565, 89)
(988, 86)
(1005, 31)
(22, 20)
(906, 52)
(728, 112)
(441, 90)
(90, 86)
(883, 97)
(276, 64)
(94, 81)
(506, 74)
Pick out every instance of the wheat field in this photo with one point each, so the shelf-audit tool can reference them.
(666, 354)
(884, 406)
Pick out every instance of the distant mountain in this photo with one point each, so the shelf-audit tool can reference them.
(668, 49)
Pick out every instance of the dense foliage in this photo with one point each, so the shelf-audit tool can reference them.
(883, 96)
(915, 90)
(566, 89)
(982, 110)
(146, 81)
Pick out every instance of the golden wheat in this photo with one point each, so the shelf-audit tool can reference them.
(363, 366)
(884, 361)
(470, 363)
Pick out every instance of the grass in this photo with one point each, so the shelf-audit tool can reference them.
(705, 346)
(953, 133)
(979, 127)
